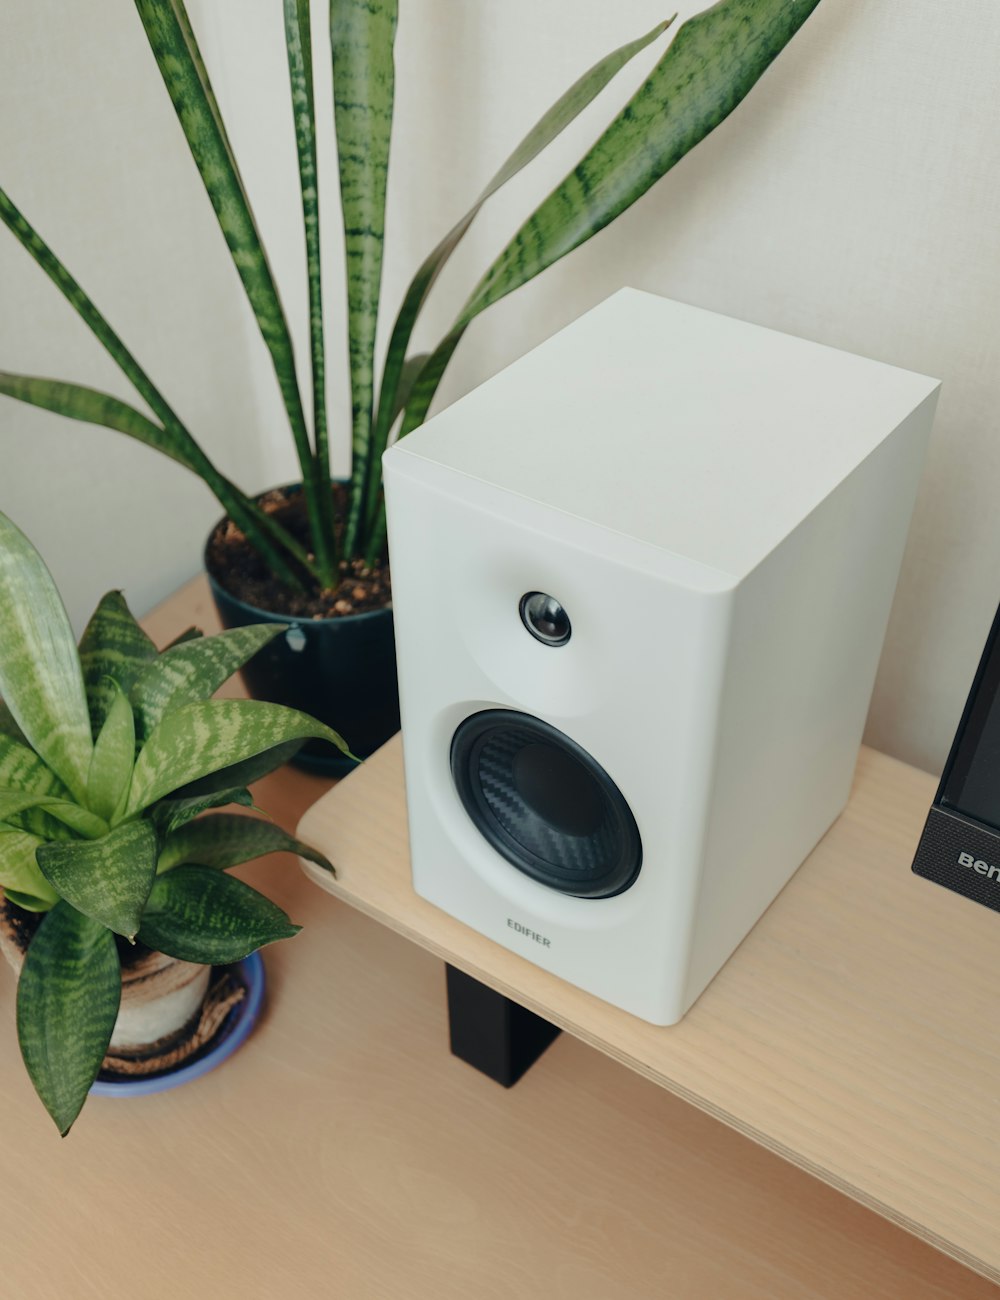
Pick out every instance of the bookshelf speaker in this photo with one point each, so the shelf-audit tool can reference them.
(641, 581)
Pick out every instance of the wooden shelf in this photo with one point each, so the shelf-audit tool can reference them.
(854, 1032)
(342, 1151)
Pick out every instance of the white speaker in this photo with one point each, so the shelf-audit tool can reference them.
(641, 581)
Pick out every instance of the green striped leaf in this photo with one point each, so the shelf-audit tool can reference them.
(362, 33)
(261, 531)
(28, 902)
(172, 41)
(298, 42)
(19, 872)
(8, 727)
(240, 774)
(226, 839)
(14, 801)
(195, 670)
(114, 754)
(67, 1003)
(113, 652)
(711, 65)
(22, 769)
(408, 376)
(179, 445)
(94, 407)
(715, 60)
(564, 111)
(107, 879)
(198, 739)
(40, 677)
(425, 385)
(79, 819)
(189, 634)
(39, 822)
(198, 914)
(79, 300)
(171, 814)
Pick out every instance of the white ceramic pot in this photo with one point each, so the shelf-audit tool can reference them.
(160, 995)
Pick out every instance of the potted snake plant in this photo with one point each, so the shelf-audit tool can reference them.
(316, 556)
(114, 764)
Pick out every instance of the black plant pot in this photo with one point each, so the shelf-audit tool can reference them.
(340, 670)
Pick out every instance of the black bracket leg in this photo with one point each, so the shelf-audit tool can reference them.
(488, 1031)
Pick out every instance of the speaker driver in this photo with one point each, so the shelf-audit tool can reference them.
(545, 804)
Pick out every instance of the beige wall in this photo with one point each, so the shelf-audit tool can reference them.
(852, 200)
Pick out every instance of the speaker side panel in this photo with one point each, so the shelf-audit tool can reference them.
(808, 629)
(636, 686)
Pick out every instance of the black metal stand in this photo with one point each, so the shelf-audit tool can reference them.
(488, 1031)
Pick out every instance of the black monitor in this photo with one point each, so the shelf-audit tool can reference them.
(960, 845)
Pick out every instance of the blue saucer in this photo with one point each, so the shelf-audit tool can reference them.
(232, 1034)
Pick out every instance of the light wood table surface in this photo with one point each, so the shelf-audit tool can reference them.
(854, 1031)
(343, 1153)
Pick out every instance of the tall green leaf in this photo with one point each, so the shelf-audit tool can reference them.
(75, 295)
(107, 879)
(197, 914)
(408, 375)
(19, 872)
(224, 840)
(113, 652)
(40, 677)
(362, 33)
(711, 65)
(114, 754)
(425, 385)
(90, 406)
(94, 407)
(67, 1004)
(258, 528)
(194, 670)
(298, 42)
(564, 111)
(172, 41)
(198, 739)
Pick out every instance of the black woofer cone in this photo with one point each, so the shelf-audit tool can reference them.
(545, 804)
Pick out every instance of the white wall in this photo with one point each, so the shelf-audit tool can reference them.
(91, 152)
(851, 199)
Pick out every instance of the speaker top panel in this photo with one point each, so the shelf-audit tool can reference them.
(742, 430)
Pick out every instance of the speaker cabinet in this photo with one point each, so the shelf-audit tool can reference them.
(641, 580)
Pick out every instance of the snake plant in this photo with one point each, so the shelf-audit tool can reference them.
(108, 754)
(711, 64)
